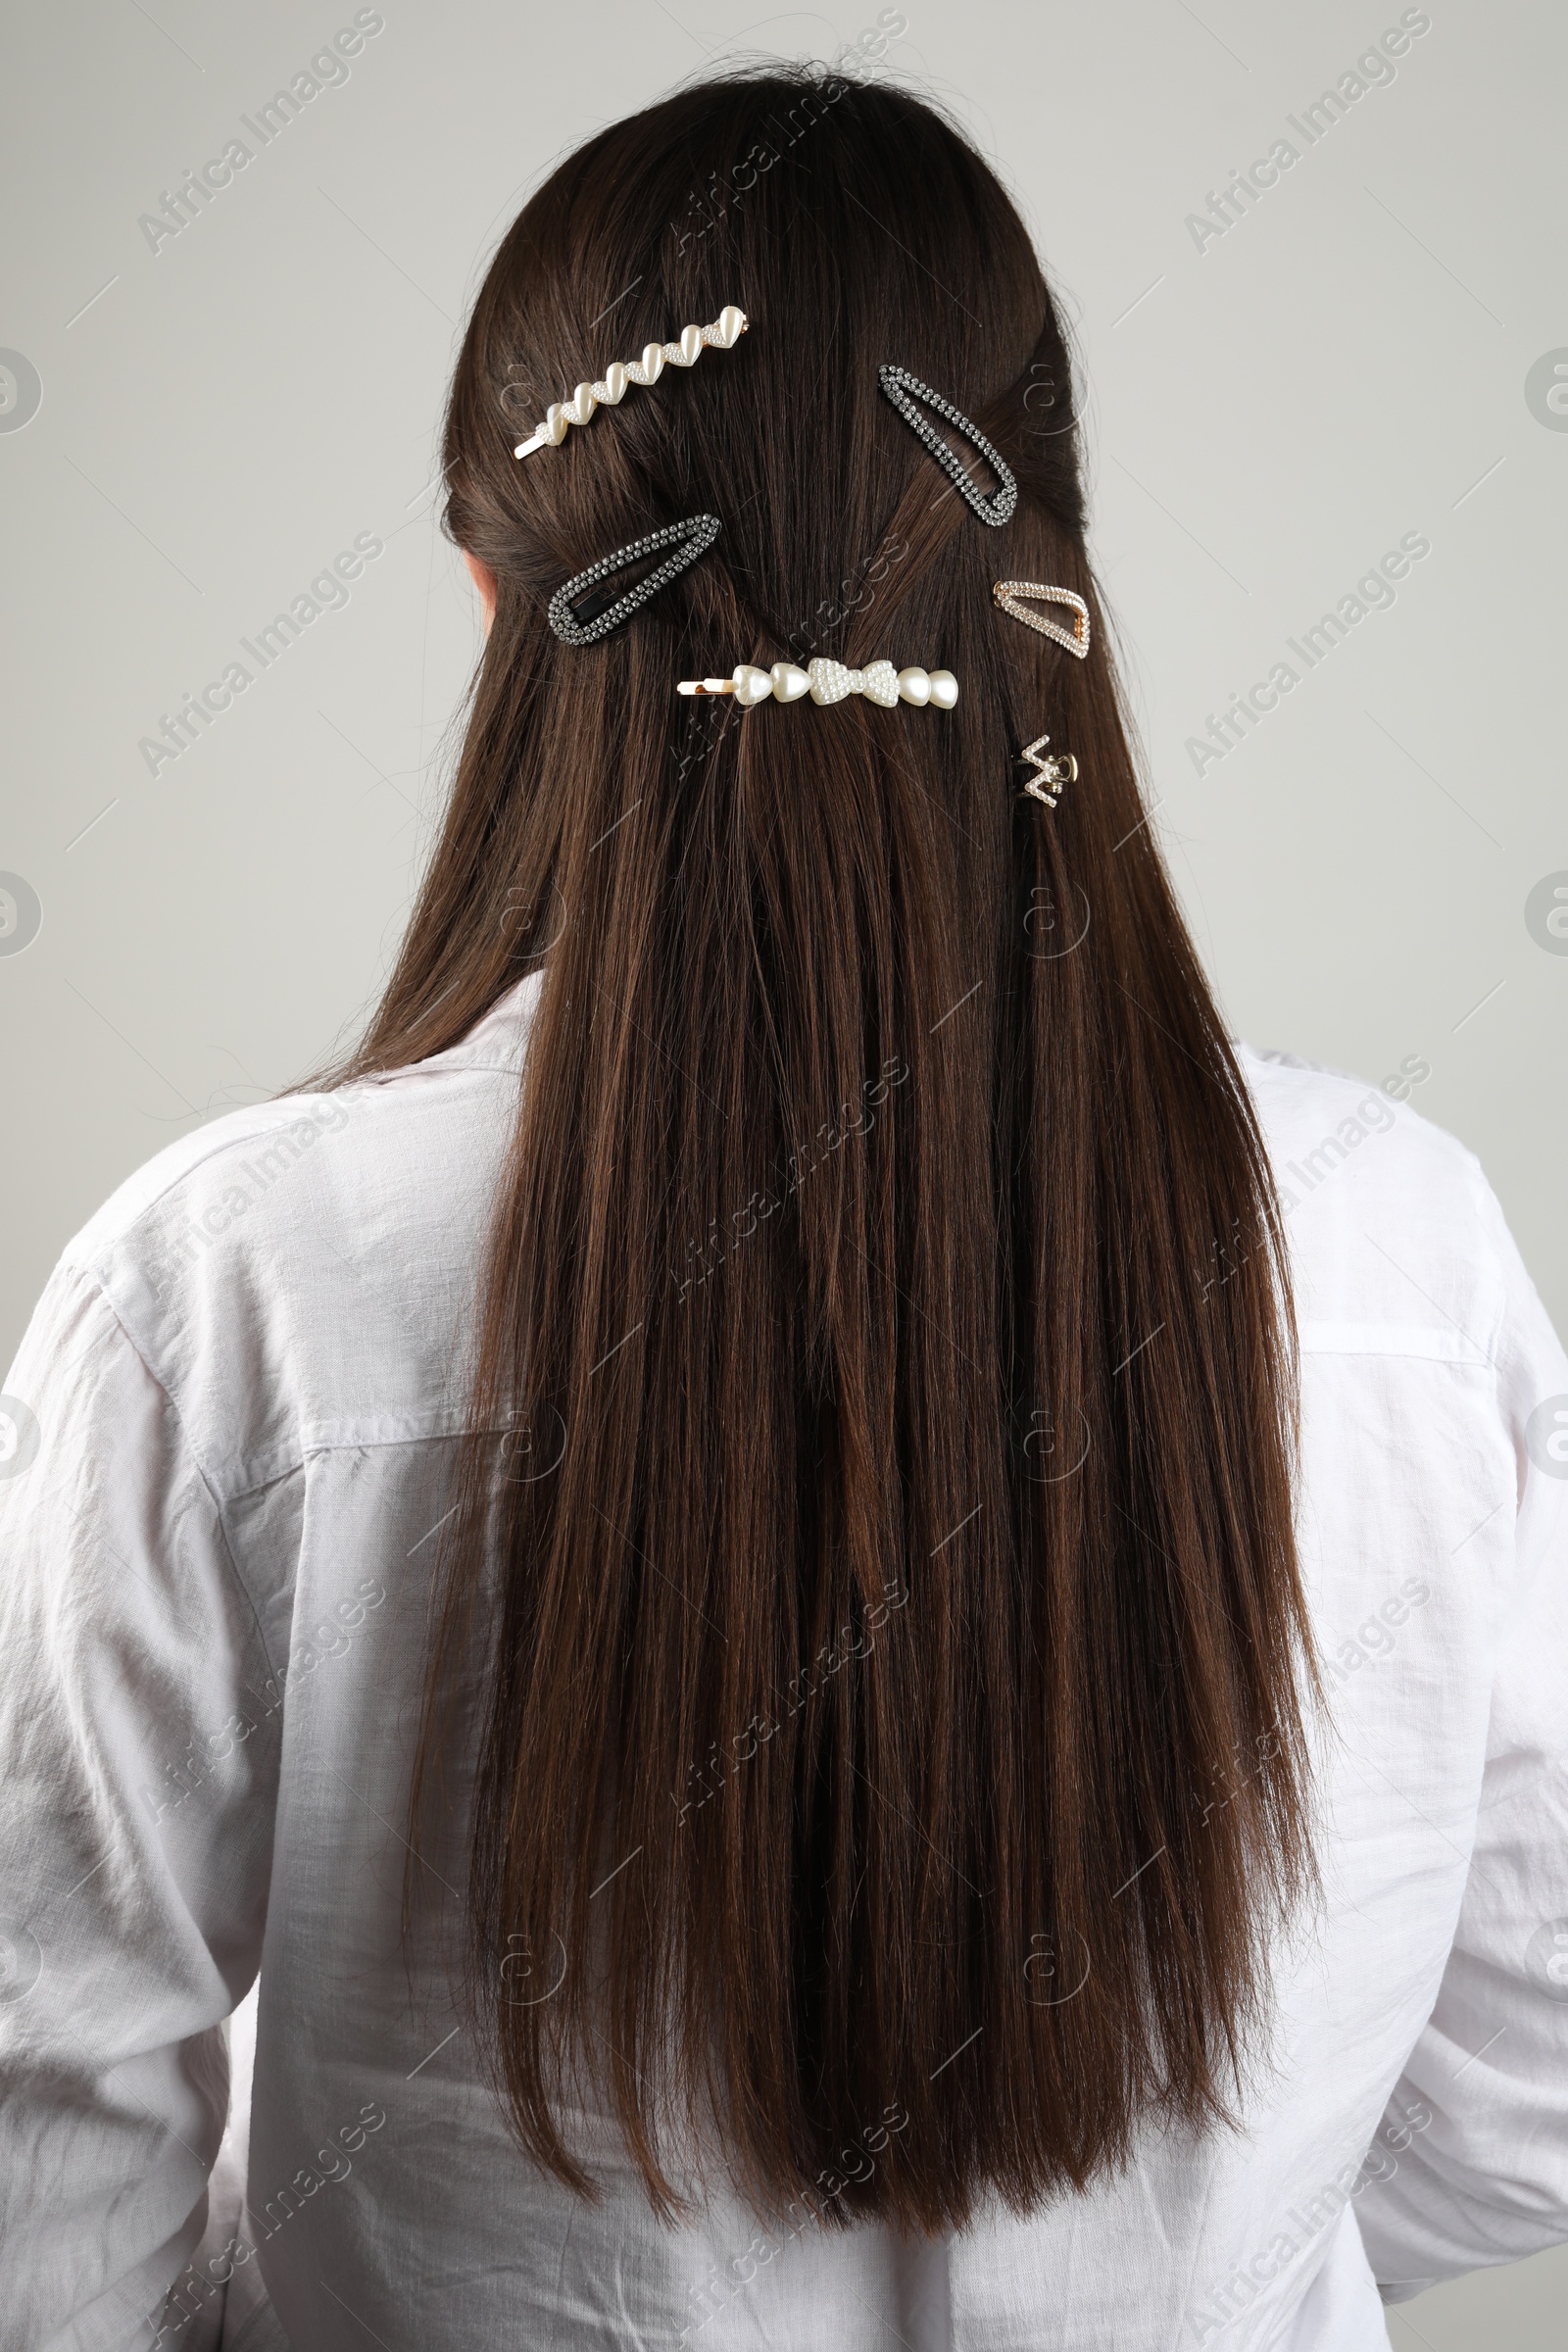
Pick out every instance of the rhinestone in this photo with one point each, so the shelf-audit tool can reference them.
(691, 539)
(901, 387)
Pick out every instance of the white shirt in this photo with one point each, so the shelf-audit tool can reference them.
(237, 1403)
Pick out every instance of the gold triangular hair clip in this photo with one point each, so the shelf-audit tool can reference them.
(1011, 595)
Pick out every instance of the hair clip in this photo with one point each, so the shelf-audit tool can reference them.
(698, 534)
(1049, 774)
(903, 390)
(1007, 594)
(610, 387)
(830, 682)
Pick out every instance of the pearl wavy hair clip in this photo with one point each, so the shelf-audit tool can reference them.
(610, 388)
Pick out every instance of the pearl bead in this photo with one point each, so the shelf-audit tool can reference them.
(751, 685)
(913, 686)
(943, 689)
(789, 682)
(691, 344)
(731, 323)
(616, 380)
(556, 422)
(584, 403)
(653, 362)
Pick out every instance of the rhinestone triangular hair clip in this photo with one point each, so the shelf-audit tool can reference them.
(690, 539)
(1011, 595)
(994, 506)
(609, 389)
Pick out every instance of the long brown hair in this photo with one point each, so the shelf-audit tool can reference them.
(874, 1533)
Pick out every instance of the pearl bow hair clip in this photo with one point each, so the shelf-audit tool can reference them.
(831, 682)
(610, 387)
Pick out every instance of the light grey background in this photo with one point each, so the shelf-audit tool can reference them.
(1268, 414)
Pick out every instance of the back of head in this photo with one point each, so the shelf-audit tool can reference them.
(899, 1597)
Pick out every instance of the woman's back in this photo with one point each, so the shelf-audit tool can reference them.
(217, 1609)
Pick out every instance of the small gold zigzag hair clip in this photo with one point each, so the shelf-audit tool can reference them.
(610, 388)
(1009, 595)
(831, 682)
(1051, 774)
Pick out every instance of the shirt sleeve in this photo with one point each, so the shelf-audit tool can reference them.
(1470, 2166)
(140, 1738)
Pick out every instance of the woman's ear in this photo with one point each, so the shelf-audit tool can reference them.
(484, 579)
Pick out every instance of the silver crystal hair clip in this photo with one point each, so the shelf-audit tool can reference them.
(583, 608)
(906, 391)
(831, 682)
(609, 389)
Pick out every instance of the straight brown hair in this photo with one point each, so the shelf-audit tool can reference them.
(873, 1535)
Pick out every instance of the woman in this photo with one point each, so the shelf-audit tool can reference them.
(713, 1557)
